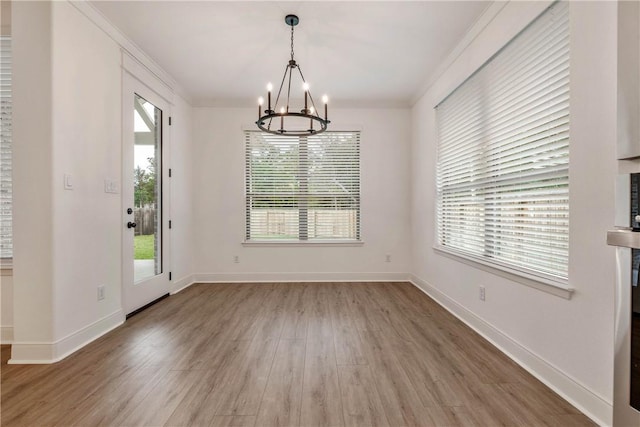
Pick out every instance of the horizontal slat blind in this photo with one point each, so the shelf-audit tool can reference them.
(6, 236)
(302, 188)
(503, 158)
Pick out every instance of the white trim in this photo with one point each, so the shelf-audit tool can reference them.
(181, 284)
(476, 29)
(298, 277)
(298, 243)
(513, 274)
(593, 405)
(32, 353)
(6, 334)
(141, 73)
(484, 20)
(51, 352)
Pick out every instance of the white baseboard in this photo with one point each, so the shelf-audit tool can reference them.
(591, 404)
(44, 352)
(298, 277)
(181, 284)
(6, 334)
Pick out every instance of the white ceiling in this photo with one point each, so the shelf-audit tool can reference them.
(357, 52)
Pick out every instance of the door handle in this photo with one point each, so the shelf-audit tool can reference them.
(624, 237)
(131, 224)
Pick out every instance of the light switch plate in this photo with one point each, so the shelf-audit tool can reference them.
(68, 182)
(110, 186)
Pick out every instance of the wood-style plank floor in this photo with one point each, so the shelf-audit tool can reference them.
(295, 354)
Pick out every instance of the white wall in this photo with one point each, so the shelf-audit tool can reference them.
(32, 198)
(67, 95)
(87, 118)
(219, 203)
(567, 343)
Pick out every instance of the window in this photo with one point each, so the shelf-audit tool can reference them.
(6, 235)
(503, 159)
(302, 188)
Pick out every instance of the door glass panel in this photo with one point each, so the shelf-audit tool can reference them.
(147, 184)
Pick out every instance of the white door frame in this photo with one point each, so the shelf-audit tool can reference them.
(137, 295)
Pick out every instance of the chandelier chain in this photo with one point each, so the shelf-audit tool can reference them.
(292, 42)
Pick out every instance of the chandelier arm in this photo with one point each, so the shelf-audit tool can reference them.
(284, 76)
(289, 88)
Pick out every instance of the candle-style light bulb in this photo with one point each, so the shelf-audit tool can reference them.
(260, 102)
(312, 110)
(305, 86)
(325, 99)
(269, 89)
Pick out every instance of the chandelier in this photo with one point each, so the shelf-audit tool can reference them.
(285, 120)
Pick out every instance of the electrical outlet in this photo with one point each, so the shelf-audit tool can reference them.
(388, 258)
(482, 293)
(236, 259)
(100, 292)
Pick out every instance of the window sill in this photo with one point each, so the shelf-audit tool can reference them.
(540, 283)
(298, 243)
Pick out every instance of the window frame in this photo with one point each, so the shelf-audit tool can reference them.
(547, 282)
(357, 241)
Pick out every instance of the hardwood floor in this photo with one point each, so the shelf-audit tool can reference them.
(295, 354)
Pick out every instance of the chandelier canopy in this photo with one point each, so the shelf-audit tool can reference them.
(285, 120)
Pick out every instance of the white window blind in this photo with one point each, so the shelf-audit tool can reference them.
(302, 188)
(503, 159)
(6, 245)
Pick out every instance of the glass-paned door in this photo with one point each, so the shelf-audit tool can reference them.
(145, 195)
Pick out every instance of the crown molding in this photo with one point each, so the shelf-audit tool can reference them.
(126, 44)
(478, 26)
